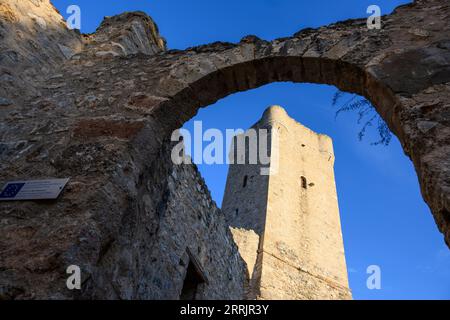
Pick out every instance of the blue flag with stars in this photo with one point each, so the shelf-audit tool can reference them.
(11, 190)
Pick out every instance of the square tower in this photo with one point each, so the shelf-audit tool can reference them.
(284, 215)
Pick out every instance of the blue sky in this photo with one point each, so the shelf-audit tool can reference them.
(385, 221)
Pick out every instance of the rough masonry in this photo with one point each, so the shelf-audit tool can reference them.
(99, 109)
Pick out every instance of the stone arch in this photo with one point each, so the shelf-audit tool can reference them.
(244, 76)
(369, 77)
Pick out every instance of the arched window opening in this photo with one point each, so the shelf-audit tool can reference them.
(304, 183)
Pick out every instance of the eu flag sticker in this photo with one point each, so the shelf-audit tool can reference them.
(11, 190)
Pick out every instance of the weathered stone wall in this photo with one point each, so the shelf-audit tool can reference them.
(303, 245)
(245, 208)
(150, 260)
(193, 220)
(123, 35)
(144, 252)
(33, 40)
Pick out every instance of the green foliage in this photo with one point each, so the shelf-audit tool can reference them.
(367, 116)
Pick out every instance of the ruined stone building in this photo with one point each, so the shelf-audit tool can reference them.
(100, 109)
(286, 221)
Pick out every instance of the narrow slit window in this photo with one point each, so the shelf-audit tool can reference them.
(304, 183)
(193, 280)
(245, 181)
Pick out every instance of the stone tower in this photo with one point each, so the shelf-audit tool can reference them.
(286, 223)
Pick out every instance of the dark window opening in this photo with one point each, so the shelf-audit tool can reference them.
(191, 283)
(245, 181)
(237, 212)
(193, 280)
(304, 183)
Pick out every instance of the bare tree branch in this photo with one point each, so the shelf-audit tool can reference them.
(366, 115)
